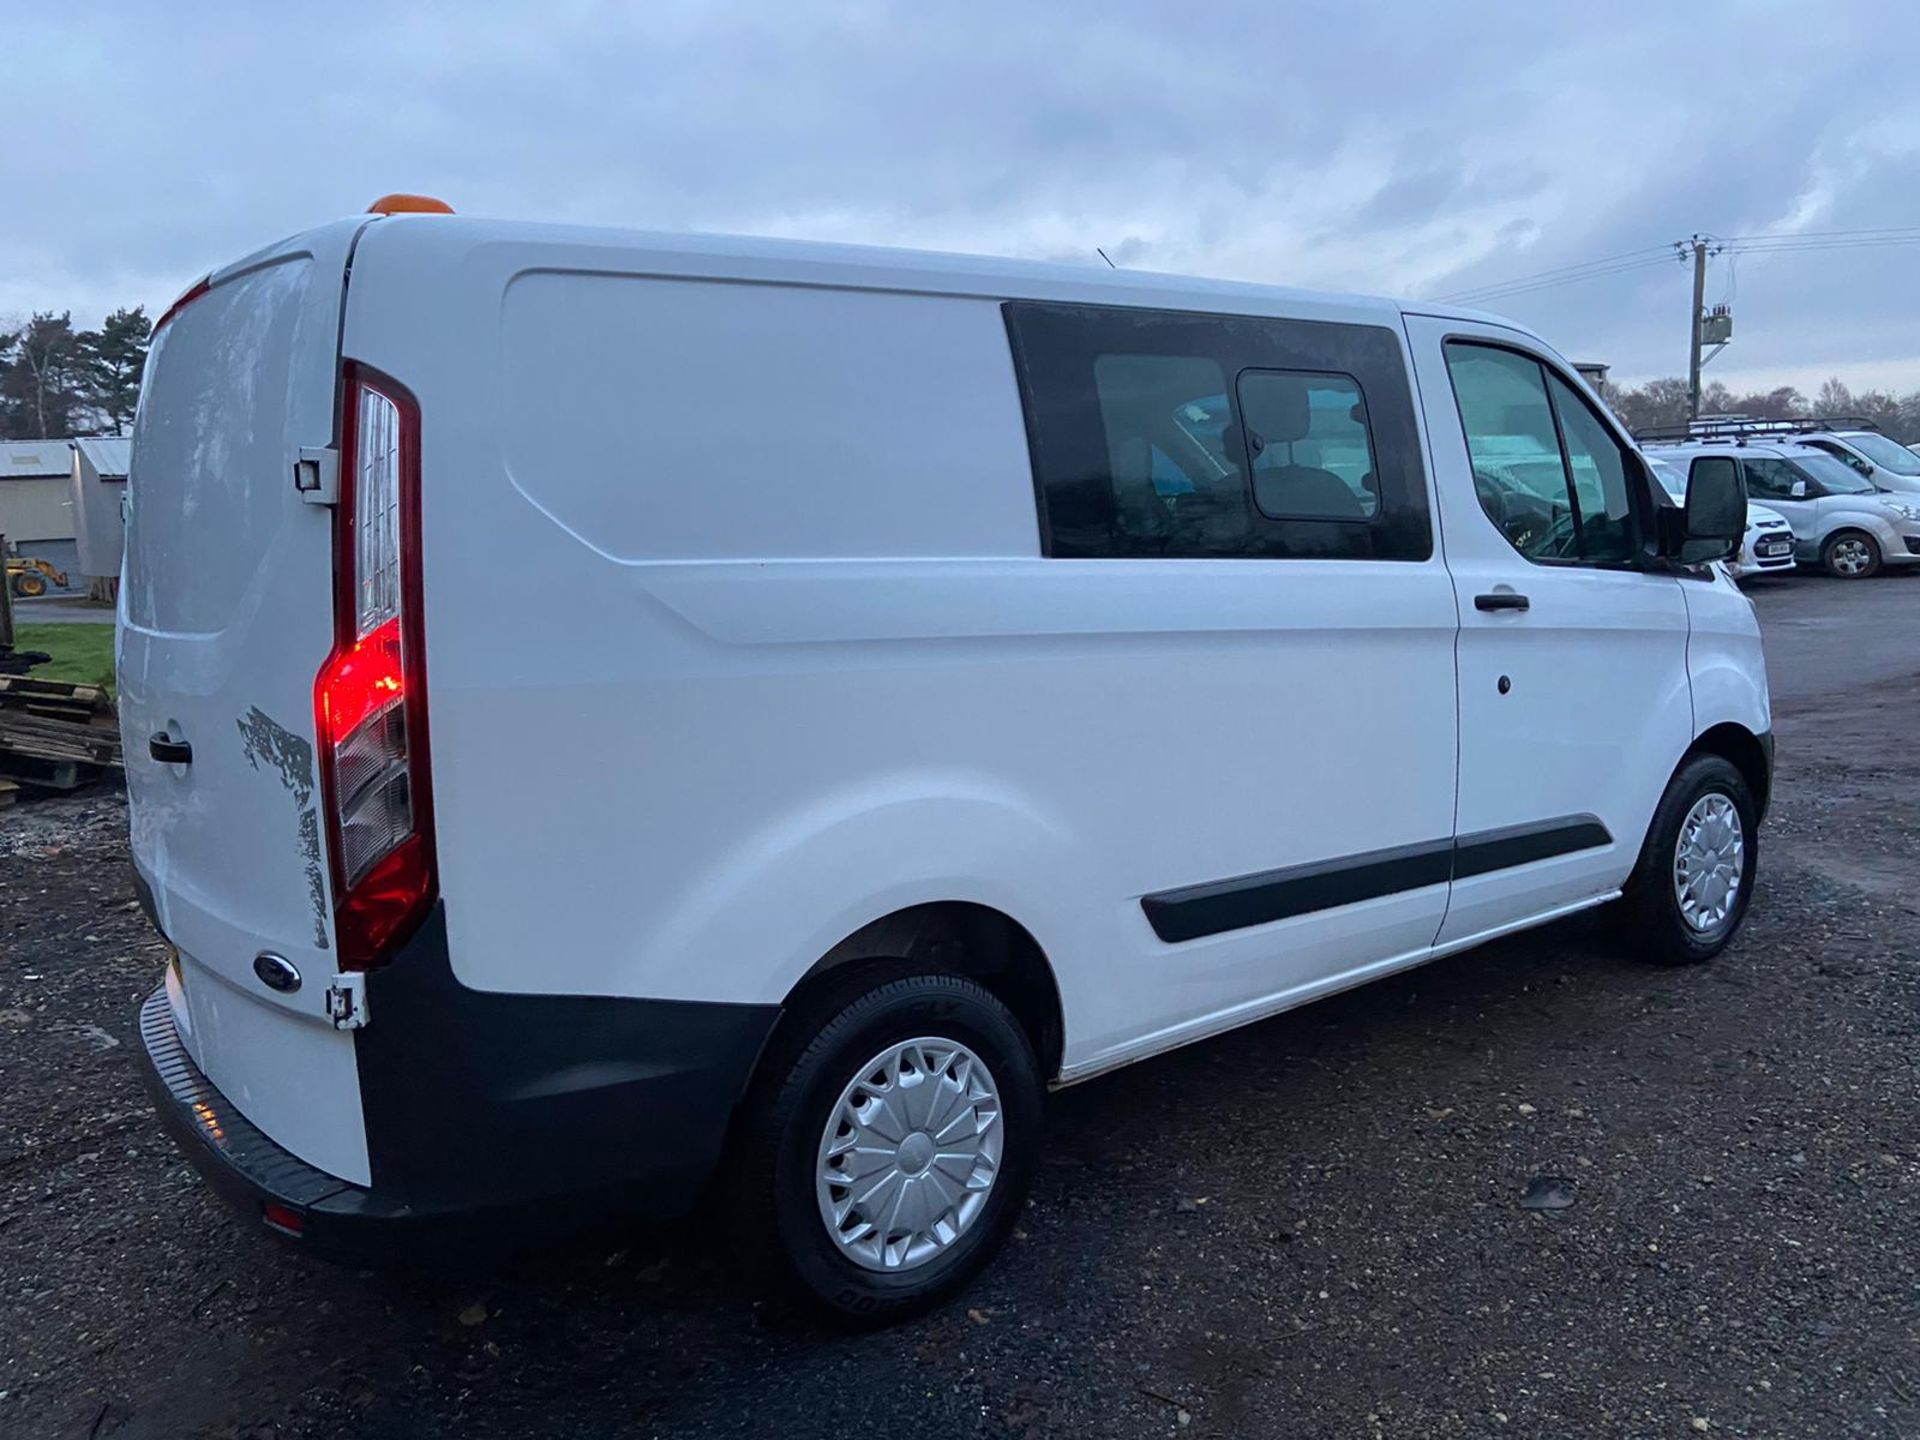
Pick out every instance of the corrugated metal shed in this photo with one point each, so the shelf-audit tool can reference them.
(106, 453)
(99, 486)
(34, 459)
(35, 504)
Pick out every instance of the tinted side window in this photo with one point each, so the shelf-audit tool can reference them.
(1312, 453)
(1156, 433)
(1547, 470)
(1770, 479)
(1169, 478)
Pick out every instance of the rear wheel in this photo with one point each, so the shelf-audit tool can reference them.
(1690, 888)
(1851, 555)
(29, 584)
(886, 1151)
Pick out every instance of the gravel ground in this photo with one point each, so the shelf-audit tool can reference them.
(1308, 1228)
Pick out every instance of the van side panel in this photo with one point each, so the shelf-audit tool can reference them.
(670, 419)
(739, 636)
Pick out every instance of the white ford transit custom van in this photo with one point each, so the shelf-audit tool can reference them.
(649, 721)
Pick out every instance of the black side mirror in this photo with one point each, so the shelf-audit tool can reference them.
(1716, 518)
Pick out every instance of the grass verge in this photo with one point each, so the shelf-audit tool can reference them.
(81, 653)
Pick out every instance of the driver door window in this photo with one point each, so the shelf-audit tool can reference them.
(1772, 479)
(1599, 475)
(1549, 474)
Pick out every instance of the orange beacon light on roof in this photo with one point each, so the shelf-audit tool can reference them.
(403, 204)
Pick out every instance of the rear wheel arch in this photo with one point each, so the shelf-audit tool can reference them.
(950, 937)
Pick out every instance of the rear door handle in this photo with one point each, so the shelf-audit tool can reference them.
(168, 751)
(1501, 600)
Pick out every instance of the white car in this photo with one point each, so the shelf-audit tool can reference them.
(970, 676)
(1768, 546)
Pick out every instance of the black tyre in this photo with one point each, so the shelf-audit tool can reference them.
(1851, 555)
(1690, 889)
(887, 1147)
(29, 584)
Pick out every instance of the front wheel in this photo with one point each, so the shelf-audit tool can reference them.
(29, 584)
(1690, 888)
(887, 1149)
(1851, 555)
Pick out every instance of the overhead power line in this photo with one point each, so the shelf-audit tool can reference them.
(1822, 234)
(1772, 242)
(1488, 296)
(1772, 248)
(1564, 274)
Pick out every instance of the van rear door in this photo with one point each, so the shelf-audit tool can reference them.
(226, 617)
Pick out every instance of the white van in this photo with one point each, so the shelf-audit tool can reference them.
(608, 711)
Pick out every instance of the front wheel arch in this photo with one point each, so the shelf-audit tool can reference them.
(1751, 755)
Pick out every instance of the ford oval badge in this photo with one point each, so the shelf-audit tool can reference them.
(276, 972)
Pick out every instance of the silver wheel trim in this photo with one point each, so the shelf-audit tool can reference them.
(1709, 863)
(910, 1153)
(1851, 556)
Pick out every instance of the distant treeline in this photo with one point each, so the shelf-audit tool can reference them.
(57, 381)
(1664, 402)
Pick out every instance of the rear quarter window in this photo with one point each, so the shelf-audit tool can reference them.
(1170, 434)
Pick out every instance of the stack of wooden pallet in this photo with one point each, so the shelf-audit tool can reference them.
(55, 733)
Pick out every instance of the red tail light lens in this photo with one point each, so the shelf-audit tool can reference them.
(364, 721)
(370, 697)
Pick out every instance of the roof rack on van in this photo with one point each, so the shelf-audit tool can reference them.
(1743, 427)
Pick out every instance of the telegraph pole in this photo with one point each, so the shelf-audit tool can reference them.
(1699, 246)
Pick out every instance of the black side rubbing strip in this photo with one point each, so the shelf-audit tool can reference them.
(1222, 905)
(1279, 894)
(1488, 850)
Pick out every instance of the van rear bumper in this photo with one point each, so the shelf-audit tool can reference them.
(244, 1167)
(492, 1120)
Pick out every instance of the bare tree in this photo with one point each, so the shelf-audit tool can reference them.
(41, 378)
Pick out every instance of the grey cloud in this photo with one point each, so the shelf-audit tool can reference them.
(1401, 147)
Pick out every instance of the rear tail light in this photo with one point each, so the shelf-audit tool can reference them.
(370, 697)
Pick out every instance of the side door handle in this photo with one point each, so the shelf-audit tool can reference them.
(1501, 600)
(168, 751)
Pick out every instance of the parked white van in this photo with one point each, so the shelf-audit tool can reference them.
(948, 678)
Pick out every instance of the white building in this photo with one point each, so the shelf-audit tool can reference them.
(36, 501)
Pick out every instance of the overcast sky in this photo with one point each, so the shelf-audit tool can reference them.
(1393, 147)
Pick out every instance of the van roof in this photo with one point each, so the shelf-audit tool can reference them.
(737, 257)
